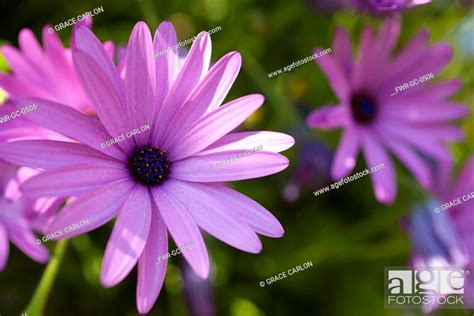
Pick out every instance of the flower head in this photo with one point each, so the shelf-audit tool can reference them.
(14, 223)
(387, 105)
(147, 157)
(45, 72)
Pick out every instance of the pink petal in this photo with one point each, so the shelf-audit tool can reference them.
(329, 117)
(108, 102)
(335, 72)
(428, 112)
(166, 64)
(74, 180)
(194, 69)
(345, 157)
(255, 215)
(207, 96)
(140, 79)
(215, 125)
(128, 238)
(183, 229)
(20, 234)
(47, 154)
(383, 180)
(410, 158)
(151, 273)
(22, 67)
(364, 71)
(269, 141)
(88, 43)
(55, 52)
(97, 208)
(71, 123)
(236, 166)
(214, 213)
(30, 47)
(418, 138)
(4, 246)
(342, 50)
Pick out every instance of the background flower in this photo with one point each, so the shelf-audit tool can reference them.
(377, 117)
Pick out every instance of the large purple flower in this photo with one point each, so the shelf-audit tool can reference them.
(14, 224)
(151, 157)
(413, 124)
(387, 6)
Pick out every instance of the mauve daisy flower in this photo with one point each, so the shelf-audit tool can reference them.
(414, 124)
(14, 224)
(45, 72)
(387, 6)
(161, 180)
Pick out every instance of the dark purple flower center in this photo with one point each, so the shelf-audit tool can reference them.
(364, 108)
(149, 165)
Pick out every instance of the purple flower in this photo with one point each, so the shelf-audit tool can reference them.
(463, 218)
(14, 224)
(441, 232)
(44, 72)
(157, 179)
(413, 124)
(387, 6)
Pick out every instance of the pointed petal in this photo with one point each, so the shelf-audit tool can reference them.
(211, 210)
(346, 154)
(151, 274)
(229, 166)
(97, 208)
(215, 125)
(183, 229)
(74, 180)
(128, 238)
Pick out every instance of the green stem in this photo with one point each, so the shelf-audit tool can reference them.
(38, 302)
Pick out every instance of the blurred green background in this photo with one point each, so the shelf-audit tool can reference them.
(347, 235)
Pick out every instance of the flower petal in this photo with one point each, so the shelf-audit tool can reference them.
(47, 154)
(128, 238)
(194, 69)
(108, 102)
(214, 213)
(329, 117)
(346, 154)
(87, 42)
(183, 229)
(228, 166)
(207, 96)
(269, 141)
(383, 180)
(71, 123)
(335, 72)
(140, 79)
(20, 234)
(166, 63)
(97, 208)
(215, 125)
(151, 274)
(74, 180)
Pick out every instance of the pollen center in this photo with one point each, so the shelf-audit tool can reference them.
(364, 108)
(149, 165)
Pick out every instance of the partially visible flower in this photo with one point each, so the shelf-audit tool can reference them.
(14, 224)
(413, 124)
(387, 6)
(45, 72)
(159, 181)
(442, 233)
